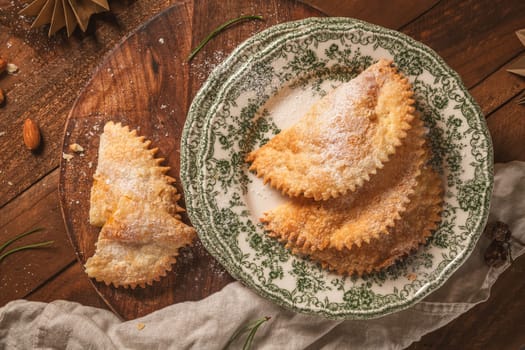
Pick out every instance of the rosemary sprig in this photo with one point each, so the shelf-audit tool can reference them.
(252, 328)
(3, 246)
(24, 247)
(28, 246)
(220, 29)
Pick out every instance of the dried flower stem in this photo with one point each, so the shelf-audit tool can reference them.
(220, 29)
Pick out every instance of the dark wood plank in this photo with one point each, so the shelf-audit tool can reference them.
(497, 89)
(474, 37)
(374, 11)
(70, 284)
(24, 271)
(507, 128)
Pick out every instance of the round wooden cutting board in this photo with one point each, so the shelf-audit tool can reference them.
(146, 83)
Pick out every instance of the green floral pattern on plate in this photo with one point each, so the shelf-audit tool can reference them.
(229, 118)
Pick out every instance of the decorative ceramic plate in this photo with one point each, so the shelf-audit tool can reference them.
(266, 85)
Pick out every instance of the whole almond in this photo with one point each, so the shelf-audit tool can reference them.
(31, 134)
(2, 97)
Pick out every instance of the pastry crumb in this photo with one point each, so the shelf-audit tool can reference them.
(411, 276)
(11, 68)
(75, 147)
(67, 156)
(140, 326)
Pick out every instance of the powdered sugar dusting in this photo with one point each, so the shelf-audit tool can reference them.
(342, 125)
(285, 109)
(201, 69)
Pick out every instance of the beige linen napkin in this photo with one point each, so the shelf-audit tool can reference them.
(208, 324)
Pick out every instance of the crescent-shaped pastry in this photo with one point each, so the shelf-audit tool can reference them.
(134, 201)
(359, 216)
(343, 139)
(414, 228)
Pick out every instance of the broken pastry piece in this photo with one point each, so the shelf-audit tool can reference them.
(357, 217)
(415, 226)
(137, 245)
(127, 167)
(134, 201)
(343, 139)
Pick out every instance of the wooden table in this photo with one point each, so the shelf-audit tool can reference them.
(475, 37)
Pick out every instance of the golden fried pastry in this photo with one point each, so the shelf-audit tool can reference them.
(413, 229)
(137, 245)
(343, 139)
(127, 167)
(357, 217)
(134, 201)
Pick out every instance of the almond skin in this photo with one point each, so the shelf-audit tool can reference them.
(31, 135)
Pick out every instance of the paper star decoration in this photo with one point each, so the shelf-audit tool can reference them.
(518, 67)
(64, 13)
